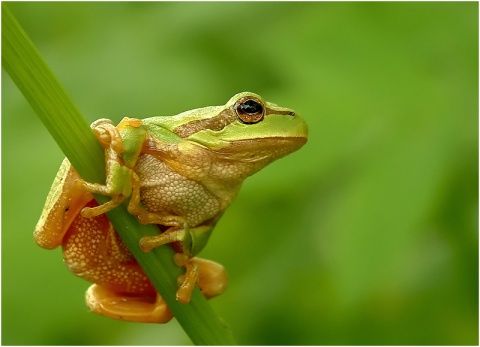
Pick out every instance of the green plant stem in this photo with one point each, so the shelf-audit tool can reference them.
(68, 127)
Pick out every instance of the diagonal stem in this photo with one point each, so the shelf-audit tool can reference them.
(68, 127)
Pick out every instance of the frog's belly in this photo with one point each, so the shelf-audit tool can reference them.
(167, 192)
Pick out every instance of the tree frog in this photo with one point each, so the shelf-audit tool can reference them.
(179, 172)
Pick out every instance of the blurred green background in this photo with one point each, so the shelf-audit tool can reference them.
(368, 235)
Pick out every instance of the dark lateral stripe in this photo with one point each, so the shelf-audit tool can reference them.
(218, 122)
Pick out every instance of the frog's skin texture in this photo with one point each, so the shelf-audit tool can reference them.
(178, 172)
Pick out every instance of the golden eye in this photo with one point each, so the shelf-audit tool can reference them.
(249, 110)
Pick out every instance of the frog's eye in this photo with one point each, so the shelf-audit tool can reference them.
(249, 110)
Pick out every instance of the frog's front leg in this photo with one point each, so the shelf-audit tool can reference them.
(120, 177)
(119, 184)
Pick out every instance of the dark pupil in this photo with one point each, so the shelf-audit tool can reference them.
(250, 107)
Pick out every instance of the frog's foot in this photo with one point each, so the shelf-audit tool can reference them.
(211, 277)
(142, 309)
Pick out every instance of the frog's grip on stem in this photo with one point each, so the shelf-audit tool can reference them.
(108, 134)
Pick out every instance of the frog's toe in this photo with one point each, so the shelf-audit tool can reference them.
(141, 309)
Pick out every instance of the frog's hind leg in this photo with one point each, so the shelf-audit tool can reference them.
(106, 302)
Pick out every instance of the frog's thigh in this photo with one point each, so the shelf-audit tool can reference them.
(212, 278)
(144, 309)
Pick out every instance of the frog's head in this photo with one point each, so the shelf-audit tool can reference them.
(246, 128)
